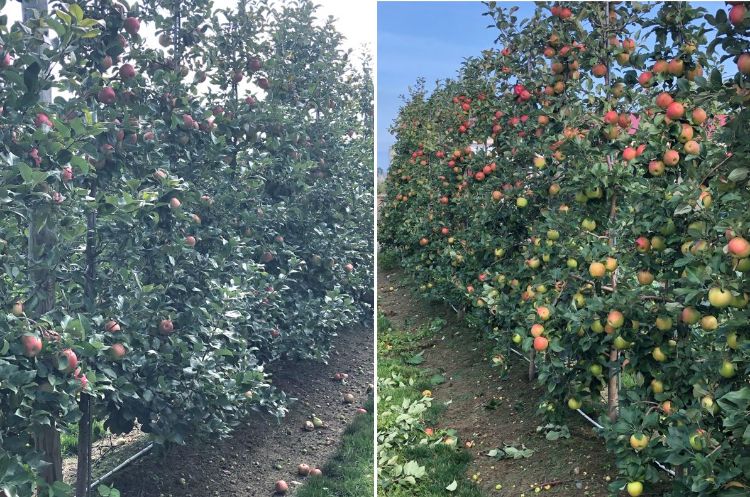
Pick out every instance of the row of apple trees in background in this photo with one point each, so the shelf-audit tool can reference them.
(190, 206)
(582, 190)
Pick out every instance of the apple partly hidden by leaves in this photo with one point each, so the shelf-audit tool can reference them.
(719, 297)
(118, 350)
(638, 441)
(68, 362)
(107, 95)
(166, 326)
(18, 309)
(32, 345)
(127, 71)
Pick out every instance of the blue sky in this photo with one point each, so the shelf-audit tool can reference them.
(423, 39)
(430, 40)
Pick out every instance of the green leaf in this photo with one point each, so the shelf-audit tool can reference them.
(64, 17)
(716, 78)
(76, 10)
(738, 174)
(31, 75)
(57, 27)
(30, 175)
(437, 379)
(416, 359)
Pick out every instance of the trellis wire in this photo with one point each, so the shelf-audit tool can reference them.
(593, 421)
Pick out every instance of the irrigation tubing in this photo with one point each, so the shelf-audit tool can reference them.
(122, 465)
(595, 423)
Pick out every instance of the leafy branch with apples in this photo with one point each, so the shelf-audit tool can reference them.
(580, 192)
(177, 211)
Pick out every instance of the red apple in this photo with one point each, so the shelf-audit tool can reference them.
(190, 241)
(664, 100)
(281, 487)
(646, 79)
(675, 110)
(112, 326)
(671, 157)
(699, 116)
(656, 168)
(107, 95)
(32, 345)
(737, 14)
(42, 119)
(629, 154)
(254, 64)
(692, 147)
(127, 71)
(642, 244)
(739, 247)
(174, 203)
(676, 67)
(72, 360)
(132, 25)
(118, 350)
(6, 60)
(540, 344)
(743, 63)
(166, 326)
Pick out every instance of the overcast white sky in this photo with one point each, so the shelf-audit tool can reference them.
(355, 19)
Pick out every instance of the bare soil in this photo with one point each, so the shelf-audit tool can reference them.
(490, 410)
(263, 450)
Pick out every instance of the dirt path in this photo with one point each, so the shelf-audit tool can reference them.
(490, 410)
(250, 462)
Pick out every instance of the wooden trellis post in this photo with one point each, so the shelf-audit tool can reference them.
(613, 393)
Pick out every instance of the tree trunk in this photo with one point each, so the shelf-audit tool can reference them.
(83, 470)
(42, 298)
(532, 365)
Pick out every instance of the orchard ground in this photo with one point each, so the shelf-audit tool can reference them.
(490, 410)
(262, 450)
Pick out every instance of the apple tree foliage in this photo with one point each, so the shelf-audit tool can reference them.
(201, 204)
(581, 190)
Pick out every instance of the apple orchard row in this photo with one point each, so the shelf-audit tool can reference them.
(176, 218)
(582, 192)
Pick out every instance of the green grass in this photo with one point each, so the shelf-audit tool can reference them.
(443, 464)
(69, 437)
(350, 472)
